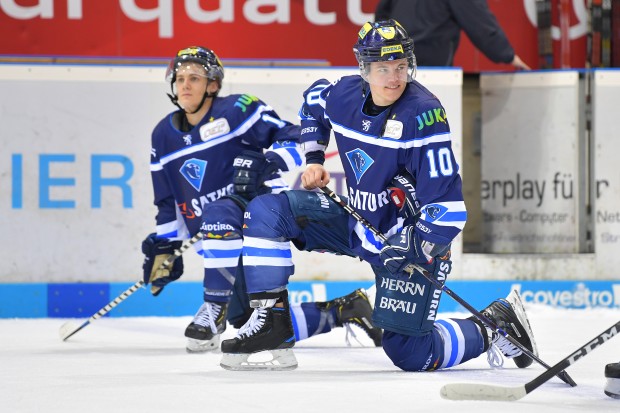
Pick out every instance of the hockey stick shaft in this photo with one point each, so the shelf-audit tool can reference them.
(482, 391)
(574, 357)
(67, 330)
(562, 374)
(66, 333)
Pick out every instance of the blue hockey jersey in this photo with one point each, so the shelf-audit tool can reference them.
(410, 135)
(191, 169)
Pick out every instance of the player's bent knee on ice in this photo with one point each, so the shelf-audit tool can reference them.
(412, 353)
(267, 216)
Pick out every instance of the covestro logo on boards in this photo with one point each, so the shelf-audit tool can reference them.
(571, 295)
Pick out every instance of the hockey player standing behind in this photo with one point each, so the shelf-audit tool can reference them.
(386, 124)
(192, 156)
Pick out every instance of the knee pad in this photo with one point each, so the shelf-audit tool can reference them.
(413, 353)
(221, 248)
(269, 216)
(268, 226)
(408, 304)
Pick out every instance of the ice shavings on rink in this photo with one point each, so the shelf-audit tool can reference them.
(140, 365)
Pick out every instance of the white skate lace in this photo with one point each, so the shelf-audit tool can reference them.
(206, 316)
(501, 346)
(255, 323)
(494, 356)
(350, 332)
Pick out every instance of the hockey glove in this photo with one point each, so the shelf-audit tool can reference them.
(406, 248)
(252, 169)
(402, 193)
(156, 251)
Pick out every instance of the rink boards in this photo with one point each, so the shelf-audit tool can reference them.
(75, 191)
(82, 300)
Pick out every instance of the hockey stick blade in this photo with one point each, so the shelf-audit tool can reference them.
(561, 374)
(68, 329)
(481, 391)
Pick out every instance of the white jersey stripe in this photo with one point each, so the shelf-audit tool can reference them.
(265, 243)
(267, 261)
(244, 127)
(387, 142)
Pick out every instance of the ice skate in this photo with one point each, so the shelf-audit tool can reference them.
(265, 342)
(509, 315)
(354, 309)
(203, 333)
(612, 375)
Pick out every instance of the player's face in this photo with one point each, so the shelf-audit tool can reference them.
(387, 81)
(191, 85)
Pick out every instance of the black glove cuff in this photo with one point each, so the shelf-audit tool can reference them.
(315, 157)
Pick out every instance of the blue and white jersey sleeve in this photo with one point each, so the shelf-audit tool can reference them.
(261, 126)
(287, 154)
(315, 125)
(280, 138)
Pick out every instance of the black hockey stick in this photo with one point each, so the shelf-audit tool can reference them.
(69, 328)
(480, 391)
(493, 326)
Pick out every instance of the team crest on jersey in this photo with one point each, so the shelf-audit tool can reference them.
(393, 129)
(193, 170)
(213, 129)
(360, 162)
(434, 212)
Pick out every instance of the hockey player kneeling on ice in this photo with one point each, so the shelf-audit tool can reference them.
(393, 139)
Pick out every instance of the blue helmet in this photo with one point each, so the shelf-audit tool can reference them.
(209, 61)
(383, 41)
(197, 54)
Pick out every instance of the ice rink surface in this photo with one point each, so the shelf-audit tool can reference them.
(140, 365)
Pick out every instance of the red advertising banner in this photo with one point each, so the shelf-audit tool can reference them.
(323, 30)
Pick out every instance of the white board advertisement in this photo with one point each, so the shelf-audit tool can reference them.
(606, 186)
(531, 188)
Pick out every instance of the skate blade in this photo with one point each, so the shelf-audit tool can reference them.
(202, 346)
(514, 298)
(280, 360)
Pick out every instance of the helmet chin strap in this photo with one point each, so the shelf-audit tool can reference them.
(364, 88)
(175, 99)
